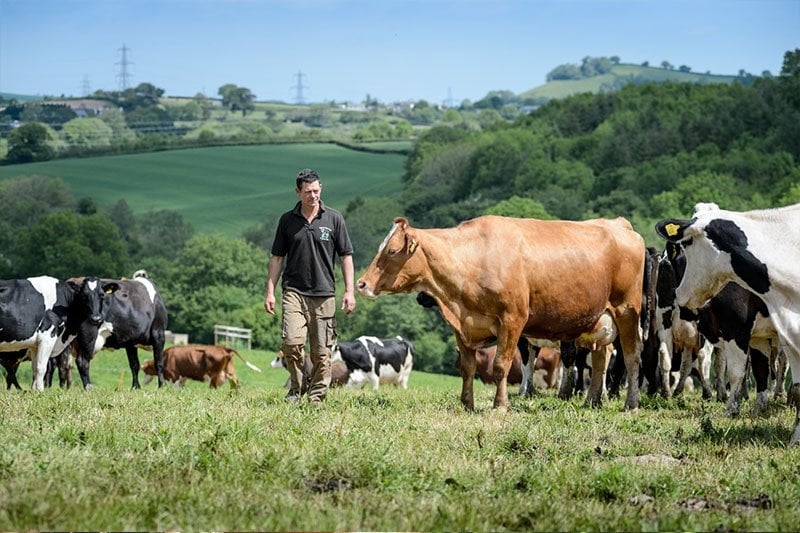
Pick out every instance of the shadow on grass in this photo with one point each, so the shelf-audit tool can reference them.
(742, 432)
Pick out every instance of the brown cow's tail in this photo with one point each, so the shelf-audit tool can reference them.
(248, 363)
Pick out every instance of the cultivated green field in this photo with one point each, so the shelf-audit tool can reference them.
(223, 189)
(389, 460)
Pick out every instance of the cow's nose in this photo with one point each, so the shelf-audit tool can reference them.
(360, 284)
(96, 319)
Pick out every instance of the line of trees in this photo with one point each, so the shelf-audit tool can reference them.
(644, 152)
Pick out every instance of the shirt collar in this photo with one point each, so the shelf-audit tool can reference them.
(297, 209)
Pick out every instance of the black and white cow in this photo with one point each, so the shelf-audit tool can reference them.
(43, 315)
(376, 361)
(737, 322)
(678, 335)
(133, 315)
(759, 251)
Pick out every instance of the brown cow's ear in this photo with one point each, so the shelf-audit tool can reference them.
(411, 242)
(403, 221)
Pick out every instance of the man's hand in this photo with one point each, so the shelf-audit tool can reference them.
(348, 302)
(269, 303)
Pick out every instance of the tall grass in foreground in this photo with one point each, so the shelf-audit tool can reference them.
(202, 459)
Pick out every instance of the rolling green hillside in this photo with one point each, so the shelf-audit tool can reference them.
(622, 73)
(223, 189)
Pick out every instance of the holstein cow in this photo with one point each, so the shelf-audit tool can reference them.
(199, 362)
(133, 315)
(497, 278)
(43, 315)
(735, 322)
(755, 249)
(676, 334)
(376, 361)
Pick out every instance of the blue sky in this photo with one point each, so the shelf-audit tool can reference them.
(390, 49)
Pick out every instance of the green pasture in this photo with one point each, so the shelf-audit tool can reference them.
(223, 189)
(562, 88)
(198, 459)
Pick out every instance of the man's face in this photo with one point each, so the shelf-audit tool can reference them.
(309, 194)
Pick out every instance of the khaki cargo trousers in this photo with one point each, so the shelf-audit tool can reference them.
(312, 318)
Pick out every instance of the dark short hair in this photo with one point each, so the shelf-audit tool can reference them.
(306, 176)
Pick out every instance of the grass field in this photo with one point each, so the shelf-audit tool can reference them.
(223, 189)
(389, 460)
(563, 88)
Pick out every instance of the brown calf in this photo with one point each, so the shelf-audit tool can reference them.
(198, 362)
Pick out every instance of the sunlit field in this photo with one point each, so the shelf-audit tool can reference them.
(223, 189)
(241, 459)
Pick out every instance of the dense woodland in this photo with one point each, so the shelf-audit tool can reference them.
(646, 152)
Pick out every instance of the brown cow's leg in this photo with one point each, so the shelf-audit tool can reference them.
(468, 364)
(230, 372)
(502, 363)
(600, 359)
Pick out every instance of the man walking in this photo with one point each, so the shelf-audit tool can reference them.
(306, 242)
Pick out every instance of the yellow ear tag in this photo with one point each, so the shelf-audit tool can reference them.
(672, 229)
(412, 246)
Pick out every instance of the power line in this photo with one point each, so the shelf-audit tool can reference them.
(298, 98)
(86, 88)
(124, 75)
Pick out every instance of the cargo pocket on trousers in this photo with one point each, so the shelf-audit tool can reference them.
(330, 333)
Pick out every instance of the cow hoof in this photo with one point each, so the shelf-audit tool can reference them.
(631, 406)
(795, 440)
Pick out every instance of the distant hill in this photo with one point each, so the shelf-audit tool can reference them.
(19, 97)
(618, 76)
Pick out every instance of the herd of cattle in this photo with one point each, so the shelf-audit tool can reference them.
(524, 297)
(726, 279)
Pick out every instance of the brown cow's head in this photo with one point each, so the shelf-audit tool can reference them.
(398, 264)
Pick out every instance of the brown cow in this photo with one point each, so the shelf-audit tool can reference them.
(198, 362)
(485, 364)
(488, 279)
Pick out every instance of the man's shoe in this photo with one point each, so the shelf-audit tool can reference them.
(292, 397)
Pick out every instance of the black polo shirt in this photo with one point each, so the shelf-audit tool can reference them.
(310, 249)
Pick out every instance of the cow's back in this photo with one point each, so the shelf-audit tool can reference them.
(569, 271)
(22, 307)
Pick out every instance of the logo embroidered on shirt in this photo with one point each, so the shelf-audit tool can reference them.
(325, 234)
